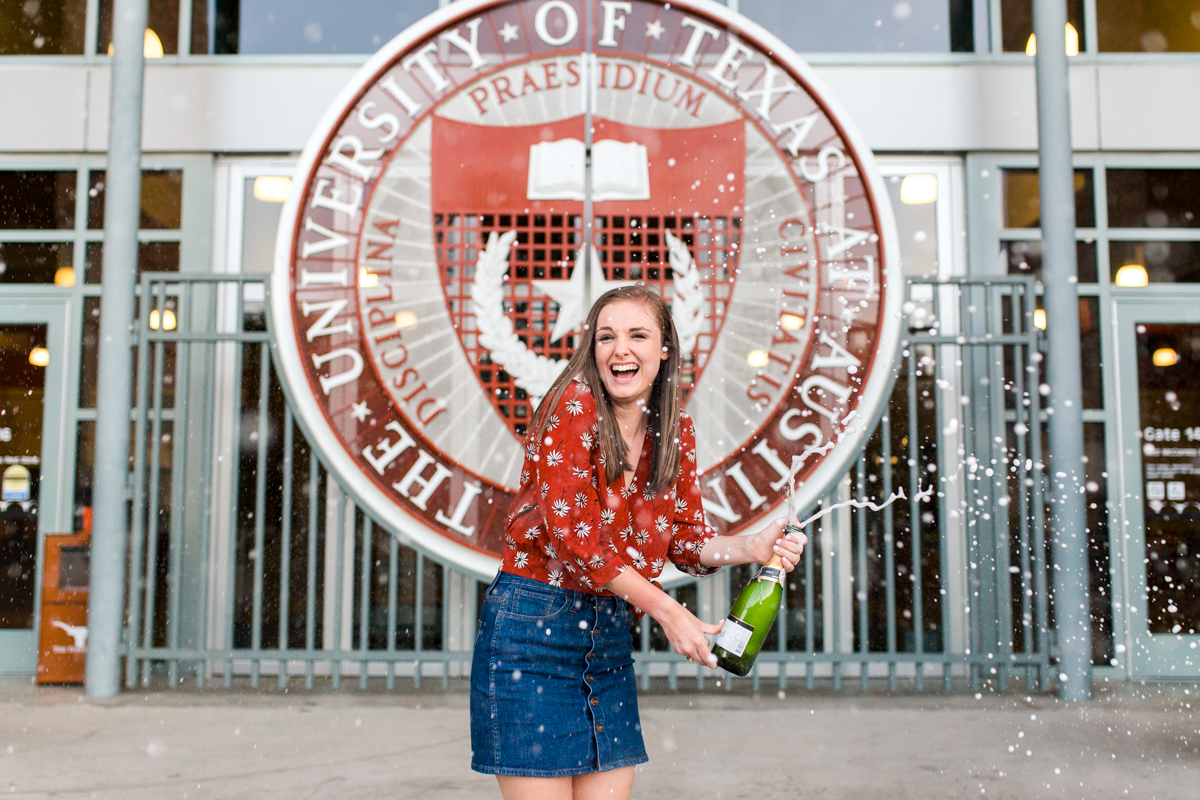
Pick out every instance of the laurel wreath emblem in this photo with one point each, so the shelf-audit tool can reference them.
(687, 310)
(535, 373)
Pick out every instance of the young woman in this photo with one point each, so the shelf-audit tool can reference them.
(608, 494)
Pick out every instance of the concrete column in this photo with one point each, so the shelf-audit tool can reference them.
(1065, 402)
(114, 386)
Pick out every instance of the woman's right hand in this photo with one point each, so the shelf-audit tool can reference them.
(686, 633)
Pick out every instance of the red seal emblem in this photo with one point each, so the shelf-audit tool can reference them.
(429, 270)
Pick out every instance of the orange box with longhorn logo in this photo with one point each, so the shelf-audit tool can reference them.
(62, 635)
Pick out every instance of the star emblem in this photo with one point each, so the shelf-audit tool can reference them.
(509, 32)
(569, 295)
(654, 29)
(360, 411)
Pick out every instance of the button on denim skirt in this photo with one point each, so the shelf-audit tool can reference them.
(552, 686)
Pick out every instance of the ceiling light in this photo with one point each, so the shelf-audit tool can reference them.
(917, 190)
(272, 188)
(151, 45)
(1163, 357)
(1039, 319)
(1071, 40)
(168, 320)
(791, 322)
(758, 358)
(39, 356)
(1132, 275)
(366, 278)
(405, 319)
(64, 276)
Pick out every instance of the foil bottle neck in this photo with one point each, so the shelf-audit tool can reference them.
(771, 571)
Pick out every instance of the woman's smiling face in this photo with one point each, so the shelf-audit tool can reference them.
(629, 350)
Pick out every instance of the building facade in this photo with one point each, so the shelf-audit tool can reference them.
(253, 558)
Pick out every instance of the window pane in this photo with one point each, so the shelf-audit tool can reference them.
(200, 37)
(152, 257)
(162, 22)
(89, 355)
(260, 219)
(1096, 473)
(916, 222)
(1023, 258)
(1089, 350)
(93, 256)
(1168, 360)
(42, 27)
(1151, 26)
(818, 26)
(22, 388)
(301, 26)
(1160, 262)
(37, 200)
(1153, 198)
(1016, 23)
(158, 257)
(85, 459)
(36, 262)
(162, 199)
(96, 199)
(1023, 205)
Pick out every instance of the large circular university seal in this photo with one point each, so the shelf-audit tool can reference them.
(425, 290)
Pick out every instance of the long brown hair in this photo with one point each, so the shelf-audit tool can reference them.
(663, 407)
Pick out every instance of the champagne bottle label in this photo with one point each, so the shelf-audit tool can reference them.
(770, 574)
(734, 636)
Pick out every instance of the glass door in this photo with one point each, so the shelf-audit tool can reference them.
(32, 465)
(1159, 362)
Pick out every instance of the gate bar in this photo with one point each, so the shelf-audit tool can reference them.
(285, 535)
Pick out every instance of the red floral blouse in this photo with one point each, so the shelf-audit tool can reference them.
(569, 527)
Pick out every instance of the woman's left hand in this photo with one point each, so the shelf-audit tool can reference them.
(771, 541)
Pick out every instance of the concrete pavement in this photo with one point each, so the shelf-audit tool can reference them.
(1132, 741)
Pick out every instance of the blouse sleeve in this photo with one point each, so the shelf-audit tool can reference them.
(689, 532)
(567, 491)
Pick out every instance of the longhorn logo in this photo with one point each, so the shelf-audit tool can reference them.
(77, 632)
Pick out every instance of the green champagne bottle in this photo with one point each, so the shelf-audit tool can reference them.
(751, 617)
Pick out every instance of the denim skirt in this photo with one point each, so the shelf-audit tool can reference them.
(552, 686)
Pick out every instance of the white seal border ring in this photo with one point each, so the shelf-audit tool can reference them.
(311, 417)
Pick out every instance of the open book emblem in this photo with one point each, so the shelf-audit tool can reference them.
(529, 180)
(620, 170)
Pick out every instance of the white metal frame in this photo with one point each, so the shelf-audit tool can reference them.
(71, 301)
(1146, 654)
(228, 210)
(985, 208)
(952, 263)
(39, 306)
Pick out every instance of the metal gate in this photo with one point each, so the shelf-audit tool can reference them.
(248, 558)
